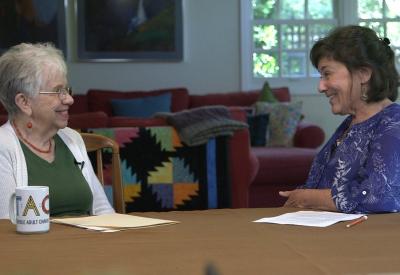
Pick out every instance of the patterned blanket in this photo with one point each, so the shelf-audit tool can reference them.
(196, 126)
(160, 173)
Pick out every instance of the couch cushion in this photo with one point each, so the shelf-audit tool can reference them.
(135, 122)
(282, 94)
(238, 113)
(258, 125)
(283, 120)
(280, 169)
(80, 105)
(243, 99)
(226, 99)
(2, 110)
(283, 164)
(88, 120)
(100, 100)
(3, 119)
(308, 135)
(143, 107)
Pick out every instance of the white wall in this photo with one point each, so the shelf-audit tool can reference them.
(211, 61)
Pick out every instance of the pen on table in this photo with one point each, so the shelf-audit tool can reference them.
(357, 221)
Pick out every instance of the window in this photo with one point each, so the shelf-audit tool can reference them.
(277, 36)
(384, 18)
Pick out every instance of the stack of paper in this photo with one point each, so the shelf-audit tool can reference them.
(311, 218)
(112, 222)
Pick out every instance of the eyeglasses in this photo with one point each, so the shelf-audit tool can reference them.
(61, 91)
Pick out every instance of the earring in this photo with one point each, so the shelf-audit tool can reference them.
(364, 95)
(29, 125)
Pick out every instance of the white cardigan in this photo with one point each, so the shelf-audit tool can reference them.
(13, 170)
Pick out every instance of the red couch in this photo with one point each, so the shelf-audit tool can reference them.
(280, 168)
(257, 173)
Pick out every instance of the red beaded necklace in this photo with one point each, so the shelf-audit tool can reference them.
(30, 144)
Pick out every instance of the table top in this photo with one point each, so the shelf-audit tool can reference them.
(221, 241)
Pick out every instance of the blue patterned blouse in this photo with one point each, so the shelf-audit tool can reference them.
(363, 171)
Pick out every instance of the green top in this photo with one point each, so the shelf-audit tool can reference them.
(69, 192)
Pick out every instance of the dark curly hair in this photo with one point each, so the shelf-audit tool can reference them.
(358, 47)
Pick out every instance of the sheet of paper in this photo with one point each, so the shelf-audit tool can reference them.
(97, 228)
(310, 218)
(112, 222)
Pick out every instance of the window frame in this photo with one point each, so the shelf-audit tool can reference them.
(346, 13)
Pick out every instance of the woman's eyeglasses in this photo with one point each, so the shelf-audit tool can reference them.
(61, 91)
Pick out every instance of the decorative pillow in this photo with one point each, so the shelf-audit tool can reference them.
(143, 107)
(266, 94)
(100, 100)
(258, 125)
(283, 120)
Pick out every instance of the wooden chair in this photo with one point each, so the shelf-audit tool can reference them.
(95, 142)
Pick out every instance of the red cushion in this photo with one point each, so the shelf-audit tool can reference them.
(135, 122)
(80, 105)
(226, 99)
(308, 135)
(88, 120)
(2, 110)
(100, 100)
(283, 164)
(238, 113)
(280, 169)
(282, 94)
(235, 98)
(3, 119)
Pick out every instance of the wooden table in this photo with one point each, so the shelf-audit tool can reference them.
(226, 239)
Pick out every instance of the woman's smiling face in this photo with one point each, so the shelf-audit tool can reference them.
(49, 110)
(341, 87)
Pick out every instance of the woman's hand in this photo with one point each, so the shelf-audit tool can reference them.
(309, 198)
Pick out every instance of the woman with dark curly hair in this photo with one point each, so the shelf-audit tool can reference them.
(358, 170)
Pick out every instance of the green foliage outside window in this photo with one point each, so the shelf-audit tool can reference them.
(265, 65)
(292, 39)
(265, 37)
(285, 31)
(263, 8)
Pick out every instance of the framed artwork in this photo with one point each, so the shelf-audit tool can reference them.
(32, 21)
(110, 30)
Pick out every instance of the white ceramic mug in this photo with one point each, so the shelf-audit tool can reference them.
(30, 209)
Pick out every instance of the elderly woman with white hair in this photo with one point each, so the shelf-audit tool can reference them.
(36, 146)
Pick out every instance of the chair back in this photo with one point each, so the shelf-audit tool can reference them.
(95, 143)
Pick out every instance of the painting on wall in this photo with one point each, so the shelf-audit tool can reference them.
(128, 30)
(32, 21)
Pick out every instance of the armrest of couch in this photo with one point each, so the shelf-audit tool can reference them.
(243, 163)
(238, 113)
(244, 167)
(308, 135)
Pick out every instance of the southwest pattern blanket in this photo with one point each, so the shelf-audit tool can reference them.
(160, 173)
